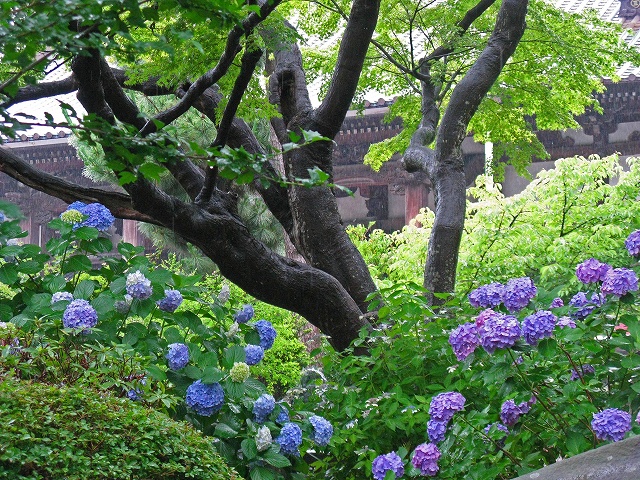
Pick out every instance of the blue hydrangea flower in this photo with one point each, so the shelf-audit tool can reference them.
(464, 340)
(583, 307)
(487, 296)
(204, 399)
(633, 243)
(283, 416)
(266, 332)
(510, 412)
(99, 216)
(619, 282)
(592, 270)
(290, 439)
(322, 430)
(587, 369)
(436, 430)
(178, 356)
(388, 462)
(171, 301)
(138, 286)
(518, 292)
(61, 297)
(263, 407)
(611, 424)
(253, 354)
(444, 405)
(557, 303)
(79, 314)
(499, 331)
(538, 325)
(245, 314)
(2, 217)
(135, 394)
(566, 322)
(425, 458)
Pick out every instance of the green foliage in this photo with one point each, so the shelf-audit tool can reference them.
(75, 433)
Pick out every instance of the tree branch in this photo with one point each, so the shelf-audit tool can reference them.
(42, 90)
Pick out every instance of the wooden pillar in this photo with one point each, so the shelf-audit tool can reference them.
(416, 196)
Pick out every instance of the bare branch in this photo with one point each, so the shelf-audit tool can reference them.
(42, 90)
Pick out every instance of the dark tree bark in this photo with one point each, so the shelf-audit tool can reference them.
(444, 165)
(330, 290)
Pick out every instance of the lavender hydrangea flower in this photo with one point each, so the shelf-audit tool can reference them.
(538, 325)
(387, 462)
(245, 314)
(425, 458)
(518, 292)
(61, 297)
(283, 416)
(486, 296)
(444, 406)
(138, 286)
(263, 438)
(499, 331)
(633, 244)
(266, 332)
(171, 301)
(263, 407)
(436, 430)
(592, 270)
(322, 430)
(587, 369)
(510, 413)
(79, 314)
(290, 439)
(611, 424)
(583, 306)
(253, 354)
(491, 431)
(205, 399)
(484, 315)
(619, 282)
(178, 356)
(497, 426)
(557, 303)
(566, 322)
(464, 340)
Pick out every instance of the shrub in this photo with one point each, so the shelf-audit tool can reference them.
(75, 433)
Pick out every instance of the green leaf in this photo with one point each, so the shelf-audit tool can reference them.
(276, 459)
(8, 274)
(261, 473)
(76, 263)
(233, 354)
(224, 431)
(156, 373)
(249, 448)
(548, 347)
(84, 289)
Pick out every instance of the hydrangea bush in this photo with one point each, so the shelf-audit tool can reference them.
(81, 315)
(494, 386)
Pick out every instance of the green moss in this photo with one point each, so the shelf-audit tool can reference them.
(75, 433)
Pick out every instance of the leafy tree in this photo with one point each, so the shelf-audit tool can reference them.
(500, 70)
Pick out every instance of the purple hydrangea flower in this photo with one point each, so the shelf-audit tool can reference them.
(444, 405)
(178, 356)
(518, 292)
(425, 458)
(619, 281)
(510, 413)
(582, 305)
(525, 407)
(244, 315)
(290, 439)
(205, 399)
(263, 407)
(499, 331)
(484, 315)
(592, 270)
(171, 301)
(283, 416)
(633, 243)
(587, 369)
(611, 424)
(138, 286)
(538, 325)
(322, 430)
(61, 297)
(266, 332)
(566, 322)
(498, 426)
(253, 354)
(388, 462)
(79, 314)
(464, 340)
(486, 296)
(557, 303)
(436, 430)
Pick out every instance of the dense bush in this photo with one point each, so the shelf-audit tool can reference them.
(52, 433)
